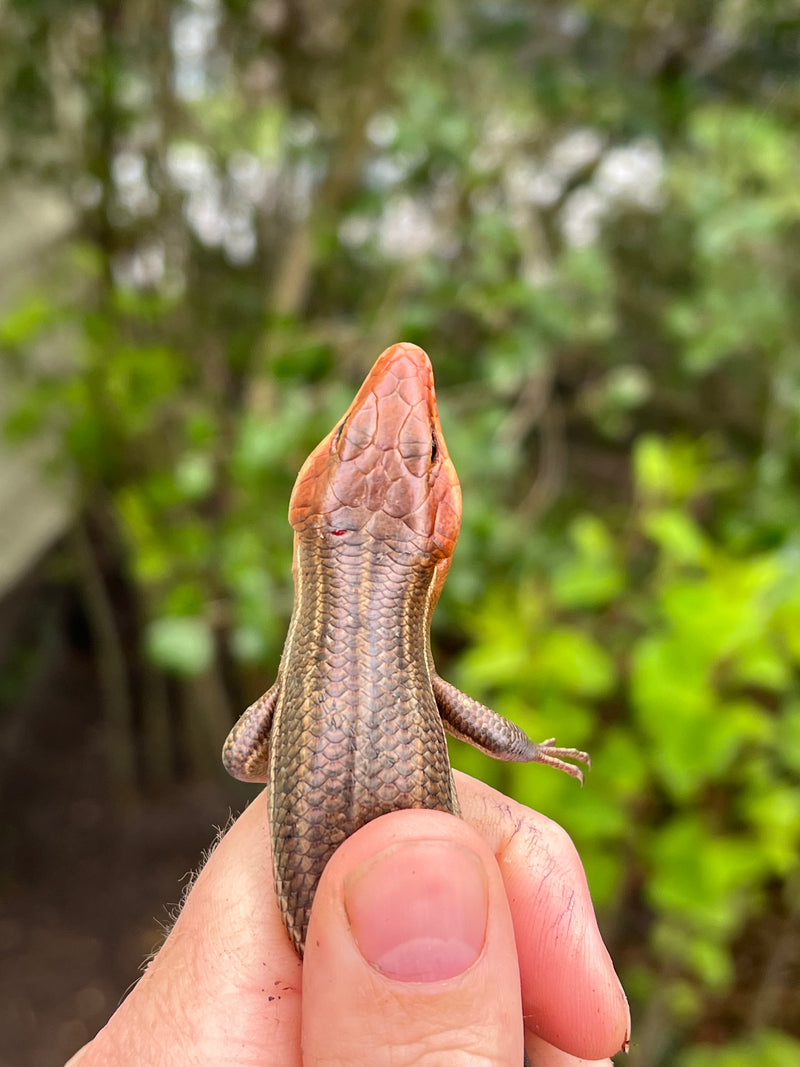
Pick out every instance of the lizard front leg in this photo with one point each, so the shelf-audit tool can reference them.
(470, 721)
(245, 753)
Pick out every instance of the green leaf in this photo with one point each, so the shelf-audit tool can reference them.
(180, 643)
(762, 666)
(591, 577)
(677, 535)
(788, 735)
(773, 810)
(565, 658)
(766, 1048)
(665, 469)
(704, 878)
(695, 736)
(194, 475)
(726, 610)
(27, 320)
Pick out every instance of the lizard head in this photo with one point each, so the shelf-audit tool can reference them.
(384, 471)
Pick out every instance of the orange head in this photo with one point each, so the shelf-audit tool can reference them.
(384, 471)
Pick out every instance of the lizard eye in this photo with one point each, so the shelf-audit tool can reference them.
(434, 446)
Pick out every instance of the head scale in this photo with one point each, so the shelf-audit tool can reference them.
(384, 472)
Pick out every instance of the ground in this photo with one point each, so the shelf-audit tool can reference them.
(86, 891)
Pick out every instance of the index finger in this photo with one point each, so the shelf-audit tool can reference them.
(571, 996)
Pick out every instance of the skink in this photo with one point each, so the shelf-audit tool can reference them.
(354, 725)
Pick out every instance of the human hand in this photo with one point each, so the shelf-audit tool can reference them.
(431, 938)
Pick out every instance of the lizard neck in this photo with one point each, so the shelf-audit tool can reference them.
(361, 620)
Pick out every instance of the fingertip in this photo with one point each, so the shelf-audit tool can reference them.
(572, 997)
(410, 929)
(545, 1055)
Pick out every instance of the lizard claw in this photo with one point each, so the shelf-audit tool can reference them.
(547, 752)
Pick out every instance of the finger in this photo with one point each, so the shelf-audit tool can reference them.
(543, 1054)
(410, 955)
(225, 987)
(571, 995)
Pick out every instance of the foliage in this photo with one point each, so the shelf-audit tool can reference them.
(589, 216)
(687, 647)
(770, 1048)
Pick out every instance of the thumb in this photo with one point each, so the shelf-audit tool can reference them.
(410, 955)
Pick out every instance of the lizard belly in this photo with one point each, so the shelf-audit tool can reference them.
(335, 767)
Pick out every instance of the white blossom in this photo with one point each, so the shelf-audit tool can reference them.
(582, 215)
(575, 151)
(406, 229)
(633, 174)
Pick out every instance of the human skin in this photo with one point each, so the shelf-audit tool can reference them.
(431, 939)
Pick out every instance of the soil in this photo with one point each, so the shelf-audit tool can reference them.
(86, 890)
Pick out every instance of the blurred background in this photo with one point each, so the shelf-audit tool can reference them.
(214, 215)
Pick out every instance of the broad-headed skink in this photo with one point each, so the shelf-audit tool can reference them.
(354, 725)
